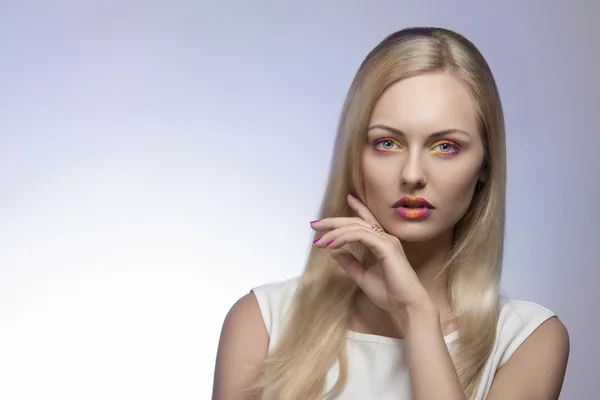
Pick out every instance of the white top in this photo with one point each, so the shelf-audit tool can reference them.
(377, 366)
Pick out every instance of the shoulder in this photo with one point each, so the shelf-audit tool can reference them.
(517, 321)
(243, 316)
(282, 288)
(274, 300)
(242, 343)
(532, 351)
(249, 331)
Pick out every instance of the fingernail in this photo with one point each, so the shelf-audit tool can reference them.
(316, 220)
(316, 240)
(350, 193)
(328, 243)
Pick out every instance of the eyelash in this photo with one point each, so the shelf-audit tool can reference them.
(454, 145)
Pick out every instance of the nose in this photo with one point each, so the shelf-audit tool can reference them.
(413, 175)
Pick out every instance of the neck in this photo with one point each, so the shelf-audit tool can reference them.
(427, 259)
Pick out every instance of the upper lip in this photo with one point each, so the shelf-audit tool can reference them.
(412, 201)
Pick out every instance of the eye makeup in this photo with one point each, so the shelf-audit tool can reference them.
(383, 144)
(445, 148)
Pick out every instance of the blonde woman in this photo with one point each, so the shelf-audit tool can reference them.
(400, 298)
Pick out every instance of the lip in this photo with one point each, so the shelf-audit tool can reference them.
(424, 211)
(413, 201)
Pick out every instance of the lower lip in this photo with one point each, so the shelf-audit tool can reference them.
(413, 213)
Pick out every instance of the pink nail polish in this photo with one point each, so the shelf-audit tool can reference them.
(316, 240)
(316, 220)
(328, 243)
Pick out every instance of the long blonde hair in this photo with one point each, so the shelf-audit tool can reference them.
(314, 337)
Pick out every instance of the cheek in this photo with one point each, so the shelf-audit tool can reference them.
(379, 180)
(459, 190)
(459, 179)
(375, 185)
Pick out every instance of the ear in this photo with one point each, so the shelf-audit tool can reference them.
(482, 176)
(483, 173)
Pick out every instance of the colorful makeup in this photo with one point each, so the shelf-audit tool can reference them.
(383, 145)
(445, 148)
(413, 213)
(413, 207)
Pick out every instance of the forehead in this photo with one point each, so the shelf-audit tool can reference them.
(427, 103)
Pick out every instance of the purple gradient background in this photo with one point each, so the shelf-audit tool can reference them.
(158, 159)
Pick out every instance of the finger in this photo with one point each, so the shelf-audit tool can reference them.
(330, 236)
(376, 242)
(327, 224)
(350, 264)
(362, 210)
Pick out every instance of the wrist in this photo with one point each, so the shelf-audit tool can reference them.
(419, 315)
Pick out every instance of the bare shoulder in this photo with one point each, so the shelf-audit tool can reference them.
(537, 368)
(245, 316)
(244, 340)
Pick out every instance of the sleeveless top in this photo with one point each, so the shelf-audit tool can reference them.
(377, 369)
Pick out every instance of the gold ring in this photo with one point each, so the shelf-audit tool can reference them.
(377, 228)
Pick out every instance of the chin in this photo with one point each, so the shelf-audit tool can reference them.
(416, 232)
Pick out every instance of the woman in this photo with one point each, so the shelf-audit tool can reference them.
(400, 298)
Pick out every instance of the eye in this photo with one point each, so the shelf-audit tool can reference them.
(387, 145)
(445, 148)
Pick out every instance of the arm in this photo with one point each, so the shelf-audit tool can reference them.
(431, 370)
(536, 370)
(244, 340)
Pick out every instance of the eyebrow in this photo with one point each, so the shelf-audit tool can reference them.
(434, 135)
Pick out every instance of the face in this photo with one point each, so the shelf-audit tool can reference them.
(423, 156)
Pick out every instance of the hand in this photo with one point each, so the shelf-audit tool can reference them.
(393, 287)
